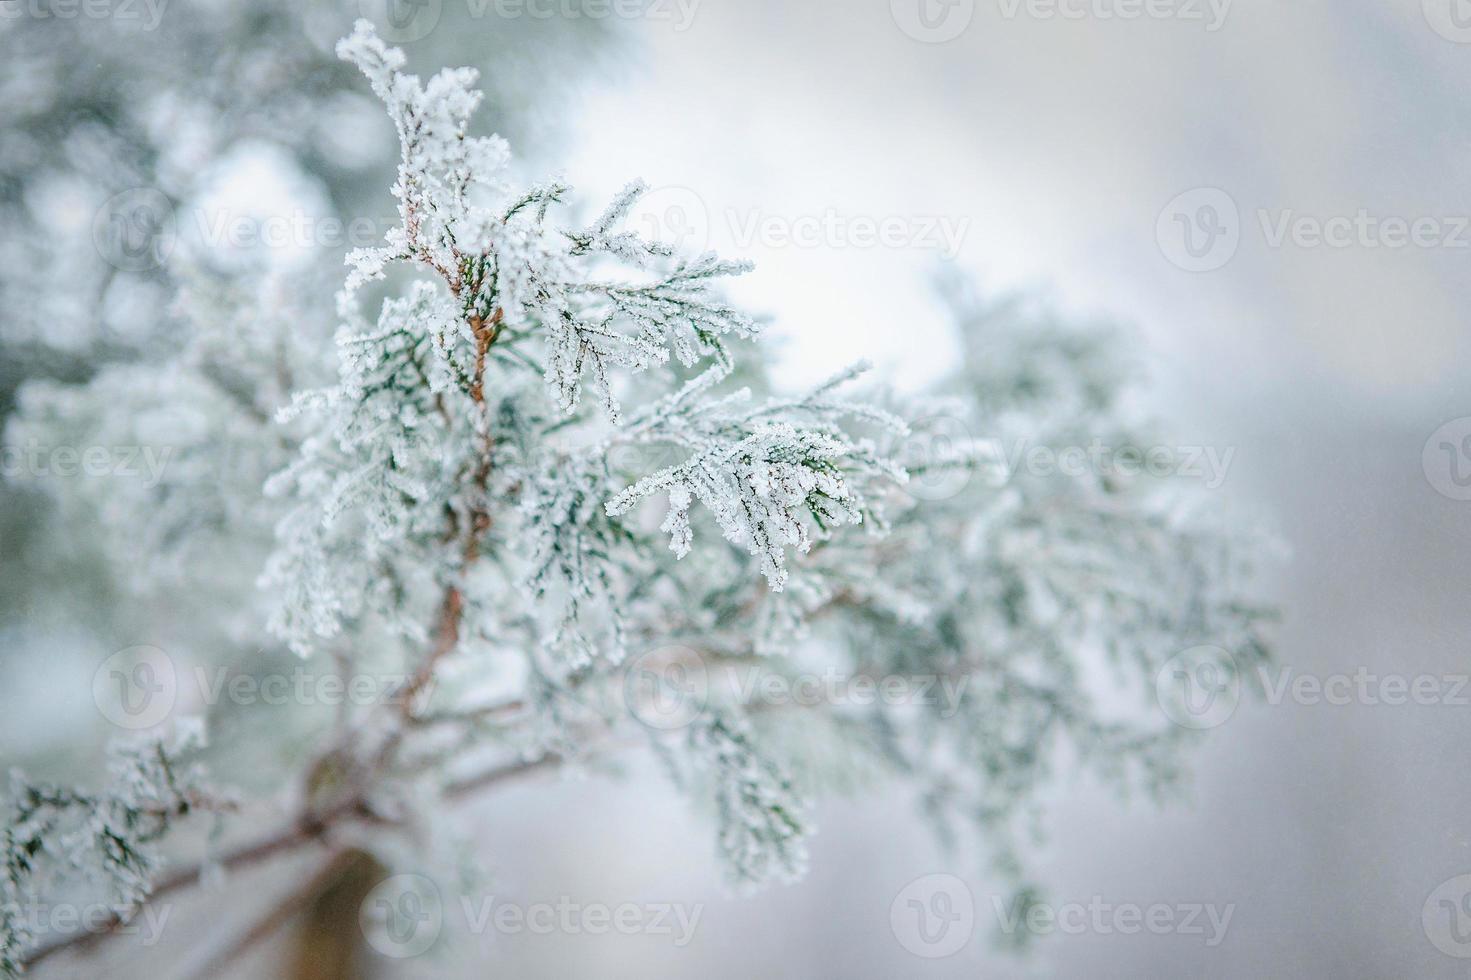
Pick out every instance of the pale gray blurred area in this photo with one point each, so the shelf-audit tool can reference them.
(1324, 827)
(1328, 369)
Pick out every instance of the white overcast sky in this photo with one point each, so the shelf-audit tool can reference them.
(1059, 143)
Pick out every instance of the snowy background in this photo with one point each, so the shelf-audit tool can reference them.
(1061, 142)
(1046, 153)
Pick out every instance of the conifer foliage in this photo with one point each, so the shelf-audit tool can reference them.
(551, 484)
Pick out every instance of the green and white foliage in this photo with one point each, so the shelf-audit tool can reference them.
(465, 499)
(52, 835)
(1008, 590)
(767, 472)
(1054, 599)
(128, 140)
(157, 95)
(167, 455)
(762, 819)
(457, 488)
(405, 473)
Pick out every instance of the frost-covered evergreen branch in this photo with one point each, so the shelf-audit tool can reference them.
(767, 473)
(451, 508)
(445, 499)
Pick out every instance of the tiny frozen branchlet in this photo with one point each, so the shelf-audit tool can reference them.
(52, 833)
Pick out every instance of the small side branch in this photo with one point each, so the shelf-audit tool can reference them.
(301, 833)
